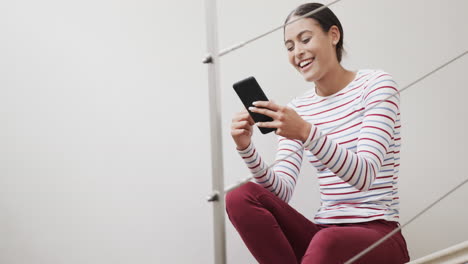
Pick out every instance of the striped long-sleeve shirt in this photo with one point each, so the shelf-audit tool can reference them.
(354, 144)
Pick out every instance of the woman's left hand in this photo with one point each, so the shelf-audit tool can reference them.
(286, 121)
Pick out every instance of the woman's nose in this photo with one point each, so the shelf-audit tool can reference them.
(299, 52)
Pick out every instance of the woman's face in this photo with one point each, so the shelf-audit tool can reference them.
(311, 50)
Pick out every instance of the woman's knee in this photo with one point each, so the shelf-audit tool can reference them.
(328, 240)
(240, 196)
(323, 247)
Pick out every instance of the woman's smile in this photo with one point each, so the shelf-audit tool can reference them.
(306, 64)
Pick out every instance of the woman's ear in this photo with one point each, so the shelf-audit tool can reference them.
(335, 35)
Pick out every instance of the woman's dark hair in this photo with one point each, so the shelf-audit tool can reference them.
(326, 19)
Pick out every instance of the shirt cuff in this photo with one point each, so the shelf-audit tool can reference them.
(247, 151)
(311, 137)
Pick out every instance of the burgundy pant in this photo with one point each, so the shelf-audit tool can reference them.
(276, 233)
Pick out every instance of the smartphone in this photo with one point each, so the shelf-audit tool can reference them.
(249, 91)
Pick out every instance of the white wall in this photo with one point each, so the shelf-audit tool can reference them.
(104, 153)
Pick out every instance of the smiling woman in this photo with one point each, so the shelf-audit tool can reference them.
(314, 34)
(357, 165)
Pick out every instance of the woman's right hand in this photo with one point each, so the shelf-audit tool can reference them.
(242, 129)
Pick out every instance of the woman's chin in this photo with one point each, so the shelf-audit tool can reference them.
(309, 78)
(312, 75)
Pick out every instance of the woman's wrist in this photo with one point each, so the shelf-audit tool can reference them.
(306, 131)
(243, 147)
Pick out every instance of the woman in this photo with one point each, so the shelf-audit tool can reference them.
(348, 127)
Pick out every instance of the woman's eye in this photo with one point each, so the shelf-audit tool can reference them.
(290, 48)
(305, 40)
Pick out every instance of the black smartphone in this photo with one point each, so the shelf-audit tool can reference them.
(250, 91)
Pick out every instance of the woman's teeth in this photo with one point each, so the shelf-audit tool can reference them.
(304, 63)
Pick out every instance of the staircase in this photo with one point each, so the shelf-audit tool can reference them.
(457, 254)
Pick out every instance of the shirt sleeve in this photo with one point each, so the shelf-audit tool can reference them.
(381, 101)
(282, 177)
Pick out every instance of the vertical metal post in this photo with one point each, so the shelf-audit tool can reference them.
(216, 139)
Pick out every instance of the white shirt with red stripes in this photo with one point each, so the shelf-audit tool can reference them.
(354, 144)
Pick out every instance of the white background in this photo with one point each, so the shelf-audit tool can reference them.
(104, 139)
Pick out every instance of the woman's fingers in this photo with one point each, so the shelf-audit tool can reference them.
(287, 121)
(267, 104)
(244, 124)
(272, 124)
(244, 115)
(250, 119)
(264, 111)
(238, 132)
(241, 129)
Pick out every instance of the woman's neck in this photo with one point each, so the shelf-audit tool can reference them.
(333, 81)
